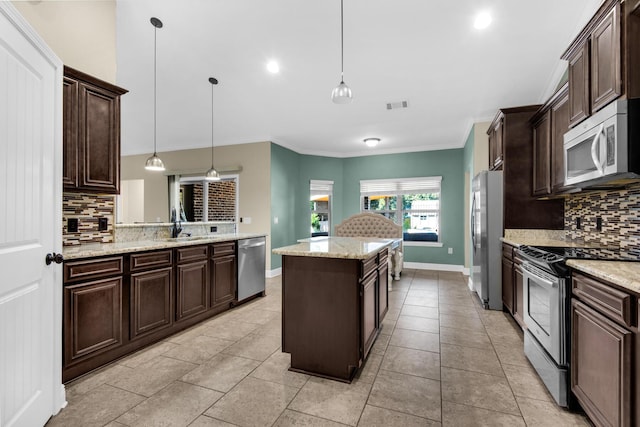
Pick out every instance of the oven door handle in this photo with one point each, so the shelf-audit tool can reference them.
(538, 279)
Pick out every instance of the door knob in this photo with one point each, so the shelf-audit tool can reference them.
(54, 257)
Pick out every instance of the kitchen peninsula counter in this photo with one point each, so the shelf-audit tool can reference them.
(334, 298)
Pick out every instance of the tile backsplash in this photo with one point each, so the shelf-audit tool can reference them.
(619, 211)
(87, 209)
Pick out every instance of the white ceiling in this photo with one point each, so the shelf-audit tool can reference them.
(423, 51)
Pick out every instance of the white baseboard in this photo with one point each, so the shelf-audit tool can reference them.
(429, 266)
(470, 283)
(273, 273)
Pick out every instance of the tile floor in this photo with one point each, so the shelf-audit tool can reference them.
(439, 360)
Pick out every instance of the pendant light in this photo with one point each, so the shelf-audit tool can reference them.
(342, 93)
(212, 174)
(154, 163)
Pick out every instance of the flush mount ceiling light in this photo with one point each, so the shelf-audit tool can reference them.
(482, 21)
(273, 67)
(212, 174)
(154, 163)
(372, 142)
(342, 93)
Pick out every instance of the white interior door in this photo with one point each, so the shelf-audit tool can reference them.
(30, 225)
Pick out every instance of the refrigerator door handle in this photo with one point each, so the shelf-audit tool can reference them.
(473, 222)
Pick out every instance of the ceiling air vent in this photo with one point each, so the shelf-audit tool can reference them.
(396, 105)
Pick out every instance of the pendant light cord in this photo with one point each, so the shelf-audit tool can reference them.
(155, 86)
(211, 125)
(342, 41)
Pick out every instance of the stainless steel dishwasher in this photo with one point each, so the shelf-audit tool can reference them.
(251, 267)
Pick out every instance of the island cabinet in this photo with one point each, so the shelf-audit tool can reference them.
(91, 133)
(603, 59)
(604, 365)
(333, 309)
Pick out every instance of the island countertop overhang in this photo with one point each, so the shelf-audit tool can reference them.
(336, 247)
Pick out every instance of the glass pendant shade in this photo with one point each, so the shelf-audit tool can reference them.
(342, 94)
(154, 163)
(212, 175)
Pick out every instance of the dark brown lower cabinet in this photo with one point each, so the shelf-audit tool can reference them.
(92, 318)
(223, 280)
(507, 284)
(192, 289)
(518, 293)
(151, 301)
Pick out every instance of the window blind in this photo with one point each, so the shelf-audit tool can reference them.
(374, 187)
(320, 188)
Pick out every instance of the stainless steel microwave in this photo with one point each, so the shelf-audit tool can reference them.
(604, 149)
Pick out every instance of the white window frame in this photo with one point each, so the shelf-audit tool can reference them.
(398, 188)
(205, 195)
(320, 188)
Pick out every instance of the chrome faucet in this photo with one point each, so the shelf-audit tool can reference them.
(177, 225)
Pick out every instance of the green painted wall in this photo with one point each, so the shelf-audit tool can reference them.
(285, 166)
(291, 173)
(469, 173)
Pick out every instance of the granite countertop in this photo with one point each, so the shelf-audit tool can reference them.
(623, 273)
(336, 247)
(91, 250)
(542, 241)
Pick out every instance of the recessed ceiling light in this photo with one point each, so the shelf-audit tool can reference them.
(482, 21)
(273, 67)
(372, 142)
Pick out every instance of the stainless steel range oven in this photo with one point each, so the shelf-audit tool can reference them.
(546, 296)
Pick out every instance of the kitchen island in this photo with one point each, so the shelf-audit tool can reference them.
(334, 298)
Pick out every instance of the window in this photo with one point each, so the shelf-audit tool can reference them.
(202, 200)
(320, 193)
(412, 202)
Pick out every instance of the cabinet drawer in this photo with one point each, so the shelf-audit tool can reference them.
(191, 253)
(507, 251)
(147, 260)
(93, 268)
(222, 249)
(368, 265)
(613, 303)
(383, 255)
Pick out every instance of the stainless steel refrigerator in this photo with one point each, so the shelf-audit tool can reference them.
(486, 230)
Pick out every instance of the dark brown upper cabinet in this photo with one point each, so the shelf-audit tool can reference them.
(91, 129)
(549, 126)
(604, 59)
(496, 147)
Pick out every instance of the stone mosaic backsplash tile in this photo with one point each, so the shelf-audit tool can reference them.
(156, 231)
(619, 211)
(87, 209)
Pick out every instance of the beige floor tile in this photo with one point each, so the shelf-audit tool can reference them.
(381, 343)
(465, 338)
(187, 334)
(368, 371)
(464, 300)
(388, 326)
(373, 416)
(406, 393)
(276, 369)
(96, 408)
(412, 362)
(176, 405)
(511, 354)
(525, 382)
(541, 413)
(78, 388)
(471, 359)
(272, 327)
(254, 346)
(152, 376)
(418, 324)
(424, 284)
(204, 421)
(423, 293)
(418, 340)
(422, 301)
(256, 316)
(479, 390)
(508, 336)
(392, 313)
(146, 354)
(253, 402)
(419, 311)
(456, 415)
(222, 372)
(292, 418)
(114, 424)
(462, 310)
(198, 349)
(468, 323)
(333, 400)
(230, 330)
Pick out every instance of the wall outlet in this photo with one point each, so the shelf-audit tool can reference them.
(598, 223)
(246, 220)
(213, 229)
(450, 251)
(72, 225)
(103, 224)
(578, 223)
(275, 219)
